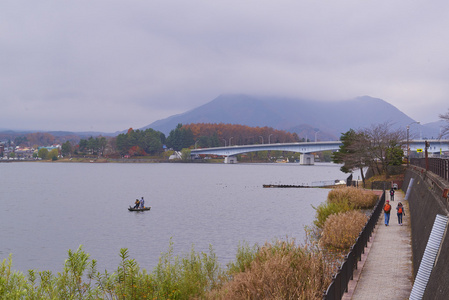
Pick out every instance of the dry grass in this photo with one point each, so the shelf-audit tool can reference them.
(341, 230)
(358, 198)
(279, 271)
(324, 210)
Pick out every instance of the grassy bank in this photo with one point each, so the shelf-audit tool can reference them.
(276, 270)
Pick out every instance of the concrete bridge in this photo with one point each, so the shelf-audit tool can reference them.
(305, 148)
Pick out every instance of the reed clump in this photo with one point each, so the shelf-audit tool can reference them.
(343, 199)
(280, 270)
(341, 230)
(357, 198)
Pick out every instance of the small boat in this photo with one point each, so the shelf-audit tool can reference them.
(139, 209)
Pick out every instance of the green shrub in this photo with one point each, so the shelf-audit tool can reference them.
(324, 210)
(13, 285)
(244, 257)
(173, 278)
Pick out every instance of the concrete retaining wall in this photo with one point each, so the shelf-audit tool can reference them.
(426, 201)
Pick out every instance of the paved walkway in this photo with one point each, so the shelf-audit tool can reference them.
(385, 271)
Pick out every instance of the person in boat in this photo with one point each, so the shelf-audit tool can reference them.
(142, 203)
(137, 203)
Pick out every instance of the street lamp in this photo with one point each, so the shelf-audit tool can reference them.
(196, 143)
(230, 141)
(225, 142)
(315, 135)
(408, 142)
(261, 137)
(269, 142)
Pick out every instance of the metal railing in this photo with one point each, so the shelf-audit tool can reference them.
(340, 280)
(438, 166)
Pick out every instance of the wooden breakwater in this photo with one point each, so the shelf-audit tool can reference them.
(316, 184)
(285, 186)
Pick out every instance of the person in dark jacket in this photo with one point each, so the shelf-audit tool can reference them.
(137, 203)
(400, 211)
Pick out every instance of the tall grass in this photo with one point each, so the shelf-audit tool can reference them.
(341, 230)
(325, 209)
(280, 270)
(358, 198)
(244, 257)
(341, 200)
(173, 278)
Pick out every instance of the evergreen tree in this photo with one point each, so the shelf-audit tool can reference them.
(180, 138)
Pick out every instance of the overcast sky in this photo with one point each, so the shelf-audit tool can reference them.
(107, 65)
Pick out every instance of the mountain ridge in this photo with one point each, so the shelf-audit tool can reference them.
(308, 117)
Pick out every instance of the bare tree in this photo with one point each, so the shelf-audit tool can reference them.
(382, 144)
(377, 147)
(445, 129)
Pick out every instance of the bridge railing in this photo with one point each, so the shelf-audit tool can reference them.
(340, 280)
(438, 166)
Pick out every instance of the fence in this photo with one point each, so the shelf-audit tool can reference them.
(340, 280)
(438, 166)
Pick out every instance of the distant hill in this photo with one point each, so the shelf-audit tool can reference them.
(308, 118)
(60, 136)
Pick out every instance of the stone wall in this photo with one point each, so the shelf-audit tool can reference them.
(426, 201)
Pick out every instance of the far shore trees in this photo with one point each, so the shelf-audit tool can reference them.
(53, 154)
(180, 137)
(214, 135)
(93, 145)
(66, 149)
(43, 153)
(140, 142)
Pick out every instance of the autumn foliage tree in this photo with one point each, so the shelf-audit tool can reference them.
(213, 135)
(39, 138)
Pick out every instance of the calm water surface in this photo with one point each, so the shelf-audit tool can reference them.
(48, 208)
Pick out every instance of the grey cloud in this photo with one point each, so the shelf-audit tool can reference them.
(118, 64)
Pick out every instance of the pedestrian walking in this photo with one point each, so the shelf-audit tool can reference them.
(400, 210)
(387, 209)
(392, 194)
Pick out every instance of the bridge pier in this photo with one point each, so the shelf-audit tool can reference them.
(230, 160)
(306, 159)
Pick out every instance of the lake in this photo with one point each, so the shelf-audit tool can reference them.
(49, 208)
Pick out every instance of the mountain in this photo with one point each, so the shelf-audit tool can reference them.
(431, 130)
(310, 119)
(305, 117)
